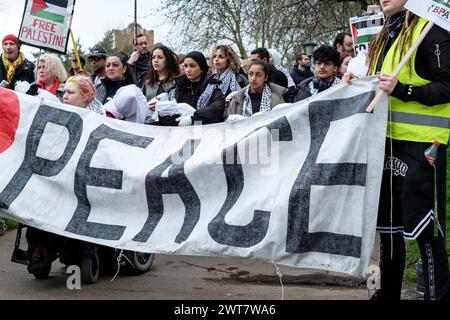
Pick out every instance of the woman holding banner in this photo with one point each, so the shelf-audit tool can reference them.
(51, 75)
(419, 116)
(197, 89)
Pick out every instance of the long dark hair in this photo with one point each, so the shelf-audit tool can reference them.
(172, 66)
(130, 78)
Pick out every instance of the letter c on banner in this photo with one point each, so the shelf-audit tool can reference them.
(9, 118)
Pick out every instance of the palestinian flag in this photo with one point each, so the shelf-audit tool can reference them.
(365, 31)
(53, 10)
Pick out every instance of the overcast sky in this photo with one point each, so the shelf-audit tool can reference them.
(92, 18)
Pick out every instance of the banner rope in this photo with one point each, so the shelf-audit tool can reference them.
(391, 181)
(119, 259)
(280, 276)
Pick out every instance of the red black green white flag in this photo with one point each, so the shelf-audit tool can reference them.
(364, 29)
(46, 24)
(53, 10)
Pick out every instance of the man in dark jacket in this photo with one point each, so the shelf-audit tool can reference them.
(302, 69)
(13, 64)
(140, 59)
(326, 59)
(98, 61)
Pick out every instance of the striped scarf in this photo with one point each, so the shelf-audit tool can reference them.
(11, 67)
(266, 102)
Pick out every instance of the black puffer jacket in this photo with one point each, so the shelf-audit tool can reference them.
(211, 113)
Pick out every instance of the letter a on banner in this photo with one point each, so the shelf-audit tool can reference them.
(46, 24)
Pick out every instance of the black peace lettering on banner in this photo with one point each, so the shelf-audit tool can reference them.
(85, 175)
(253, 233)
(32, 164)
(176, 183)
(299, 239)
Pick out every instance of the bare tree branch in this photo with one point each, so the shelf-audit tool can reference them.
(246, 24)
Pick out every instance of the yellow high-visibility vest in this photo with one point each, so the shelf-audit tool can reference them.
(412, 121)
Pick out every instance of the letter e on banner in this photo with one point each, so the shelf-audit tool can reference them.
(9, 118)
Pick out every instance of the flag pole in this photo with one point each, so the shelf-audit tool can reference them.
(402, 63)
(75, 50)
(135, 22)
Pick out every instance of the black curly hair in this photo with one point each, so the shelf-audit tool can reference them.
(326, 53)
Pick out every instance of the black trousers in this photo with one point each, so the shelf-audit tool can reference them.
(392, 265)
(409, 183)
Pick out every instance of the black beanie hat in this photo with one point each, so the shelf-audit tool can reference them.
(200, 59)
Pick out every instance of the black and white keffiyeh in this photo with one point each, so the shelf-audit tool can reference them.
(202, 100)
(229, 81)
(96, 106)
(266, 102)
(206, 95)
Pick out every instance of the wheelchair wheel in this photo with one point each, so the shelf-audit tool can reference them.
(141, 262)
(90, 268)
(42, 273)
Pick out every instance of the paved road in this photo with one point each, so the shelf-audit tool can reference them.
(181, 278)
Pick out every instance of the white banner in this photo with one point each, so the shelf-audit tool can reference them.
(437, 11)
(46, 24)
(298, 185)
(364, 29)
